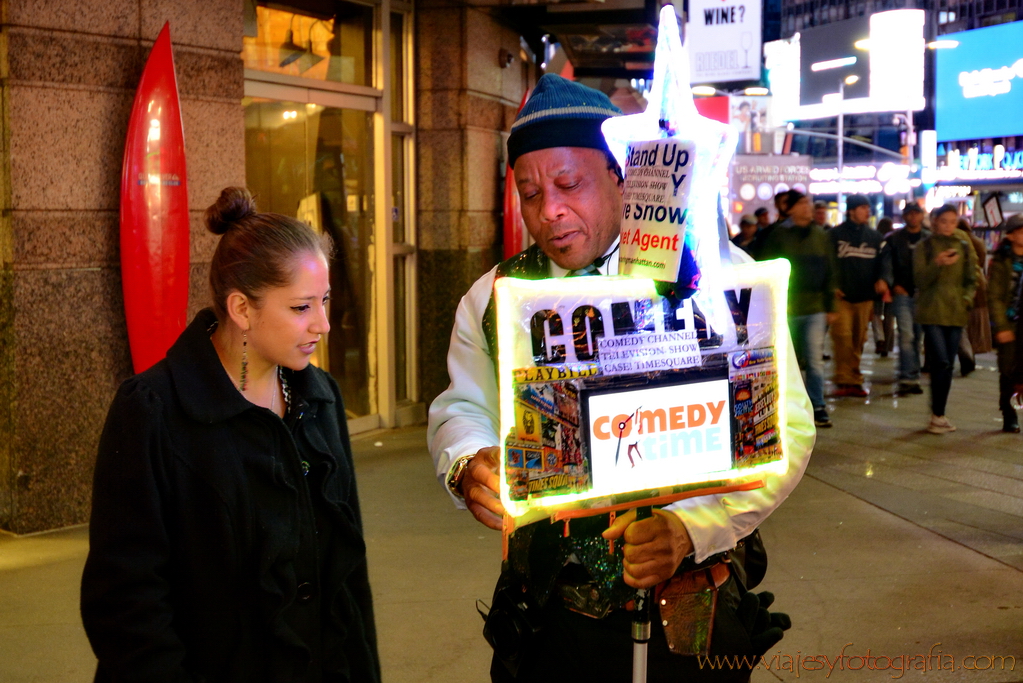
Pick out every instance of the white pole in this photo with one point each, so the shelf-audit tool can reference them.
(841, 144)
(641, 619)
(910, 143)
(639, 662)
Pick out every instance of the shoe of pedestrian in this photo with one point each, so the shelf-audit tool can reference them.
(1010, 423)
(967, 370)
(940, 425)
(821, 419)
(826, 357)
(906, 388)
(852, 390)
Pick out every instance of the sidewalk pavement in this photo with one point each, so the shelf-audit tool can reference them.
(895, 541)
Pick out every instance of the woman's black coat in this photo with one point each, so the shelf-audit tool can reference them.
(204, 563)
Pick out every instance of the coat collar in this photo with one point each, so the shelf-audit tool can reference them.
(205, 391)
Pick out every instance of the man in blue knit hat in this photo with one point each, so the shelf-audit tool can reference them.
(569, 183)
(553, 618)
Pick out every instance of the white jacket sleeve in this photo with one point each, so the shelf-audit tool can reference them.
(464, 417)
(718, 522)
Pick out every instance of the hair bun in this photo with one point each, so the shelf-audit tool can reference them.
(234, 204)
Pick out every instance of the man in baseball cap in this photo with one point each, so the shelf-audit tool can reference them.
(857, 251)
(897, 271)
(747, 232)
(820, 214)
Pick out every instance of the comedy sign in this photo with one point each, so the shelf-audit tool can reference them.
(611, 393)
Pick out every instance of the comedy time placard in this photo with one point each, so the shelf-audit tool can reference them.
(660, 434)
(657, 179)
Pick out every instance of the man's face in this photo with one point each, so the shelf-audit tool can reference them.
(781, 204)
(571, 203)
(763, 220)
(820, 215)
(1016, 239)
(861, 214)
(748, 229)
(913, 220)
(801, 212)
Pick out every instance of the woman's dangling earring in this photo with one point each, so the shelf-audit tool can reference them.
(245, 361)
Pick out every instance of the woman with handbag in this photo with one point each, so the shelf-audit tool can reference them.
(945, 276)
(977, 337)
(226, 540)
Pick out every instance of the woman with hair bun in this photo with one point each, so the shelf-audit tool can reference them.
(226, 540)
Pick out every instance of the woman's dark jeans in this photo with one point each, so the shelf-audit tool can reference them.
(941, 343)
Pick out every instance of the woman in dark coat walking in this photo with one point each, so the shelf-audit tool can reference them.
(226, 540)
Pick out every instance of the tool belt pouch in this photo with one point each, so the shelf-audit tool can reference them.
(513, 625)
(687, 602)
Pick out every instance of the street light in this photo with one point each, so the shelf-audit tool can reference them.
(710, 91)
(707, 91)
(864, 44)
(848, 80)
(833, 64)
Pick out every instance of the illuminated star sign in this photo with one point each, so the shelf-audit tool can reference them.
(671, 113)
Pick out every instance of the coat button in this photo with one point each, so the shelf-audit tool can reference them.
(305, 592)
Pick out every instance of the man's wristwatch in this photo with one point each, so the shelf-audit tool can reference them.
(457, 473)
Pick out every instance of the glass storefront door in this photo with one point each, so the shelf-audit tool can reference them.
(329, 139)
(316, 163)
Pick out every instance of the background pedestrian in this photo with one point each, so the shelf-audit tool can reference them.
(945, 274)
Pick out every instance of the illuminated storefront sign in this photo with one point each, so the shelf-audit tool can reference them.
(983, 82)
(977, 84)
(976, 166)
(755, 179)
(947, 194)
(889, 60)
(943, 193)
(891, 179)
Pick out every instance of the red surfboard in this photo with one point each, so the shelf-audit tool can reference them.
(154, 212)
(516, 237)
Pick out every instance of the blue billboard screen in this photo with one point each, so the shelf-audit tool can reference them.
(979, 87)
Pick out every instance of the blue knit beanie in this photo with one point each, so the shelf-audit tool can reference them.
(560, 113)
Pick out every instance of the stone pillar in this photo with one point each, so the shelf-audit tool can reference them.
(466, 103)
(70, 73)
